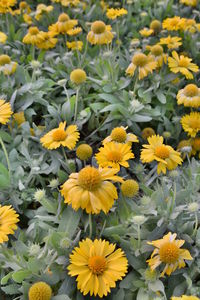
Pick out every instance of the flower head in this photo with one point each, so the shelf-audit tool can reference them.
(144, 64)
(156, 26)
(172, 42)
(189, 3)
(91, 189)
(100, 33)
(119, 135)
(61, 137)
(6, 5)
(78, 76)
(75, 45)
(146, 32)
(182, 64)
(168, 252)
(113, 13)
(3, 37)
(165, 155)
(191, 123)
(8, 221)
(189, 96)
(129, 188)
(34, 36)
(114, 155)
(84, 151)
(40, 291)
(5, 111)
(7, 66)
(147, 132)
(184, 297)
(63, 25)
(157, 53)
(98, 266)
(174, 23)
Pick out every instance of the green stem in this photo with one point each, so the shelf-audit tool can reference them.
(76, 105)
(139, 236)
(6, 155)
(66, 160)
(90, 226)
(196, 225)
(173, 199)
(102, 230)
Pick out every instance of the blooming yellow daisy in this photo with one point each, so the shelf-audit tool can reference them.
(165, 155)
(174, 23)
(195, 143)
(40, 291)
(98, 266)
(48, 41)
(7, 66)
(157, 52)
(147, 132)
(61, 137)
(189, 2)
(191, 123)
(91, 189)
(113, 13)
(74, 31)
(63, 25)
(5, 111)
(114, 155)
(182, 64)
(169, 253)
(184, 297)
(119, 135)
(75, 45)
(6, 5)
(9, 219)
(34, 36)
(172, 42)
(100, 33)
(3, 37)
(189, 25)
(146, 32)
(144, 64)
(189, 96)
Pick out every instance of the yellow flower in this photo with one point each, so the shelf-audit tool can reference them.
(9, 219)
(84, 151)
(184, 297)
(24, 7)
(98, 266)
(114, 155)
(174, 23)
(189, 25)
(42, 9)
(185, 147)
(75, 45)
(145, 64)
(165, 155)
(113, 13)
(61, 137)
(78, 76)
(7, 66)
(5, 5)
(195, 143)
(27, 19)
(68, 2)
(169, 253)
(172, 42)
(147, 132)
(119, 135)
(189, 2)
(19, 118)
(189, 96)
(182, 64)
(156, 26)
(48, 41)
(3, 37)
(34, 36)
(100, 33)
(63, 25)
(74, 31)
(191, 123)
(129, 188)
(146, 32)
(40, 291)
(91, 189)
(157, 53)
(5, 111)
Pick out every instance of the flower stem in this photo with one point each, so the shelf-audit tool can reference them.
(139, 236)
(6, 155)
(66, 160)
(90, 225)
(196, 225)
(76, 105)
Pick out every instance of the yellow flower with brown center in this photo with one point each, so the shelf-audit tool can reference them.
(184, 297)
(165, 155)
(91, 189)
(174, 23)
(156, 26)
(113, 13)
(129, 188)
(145, 32)
(172, 42)
(114, 155)
(63, 25)
(61, 137)
(189, 2)
(100, 33)
(157, 52)
(78, 76)
(191, 123)
(75, 45)
(168, 252)
(142, 63)
(5, 111)
(34, 36)
(182, 64)
(3, 37)
(119, 135)
(40, 291)
(84, 152)
(7, 66)
(97, 266)
(8, 221)
(147, 132)
(189, 96)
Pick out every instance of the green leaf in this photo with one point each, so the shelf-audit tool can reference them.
(5, 279)
(69, 217)
(11, 289)
(161, 97)
(5, 136)
(4, 177)
(20, 275)
(157, 286)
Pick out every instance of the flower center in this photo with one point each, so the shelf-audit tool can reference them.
(4, 59)
(89, 178)
(63, 18)
(162, 152)
(183, 62)
(169, 253)
(59, 135)
(196, 144)
(194, 123)
(191, 90)
(139, 59)
(98, 27)
(97, 264)
(114, 156)
(118, 134)
(157, 50)
(33, 30)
